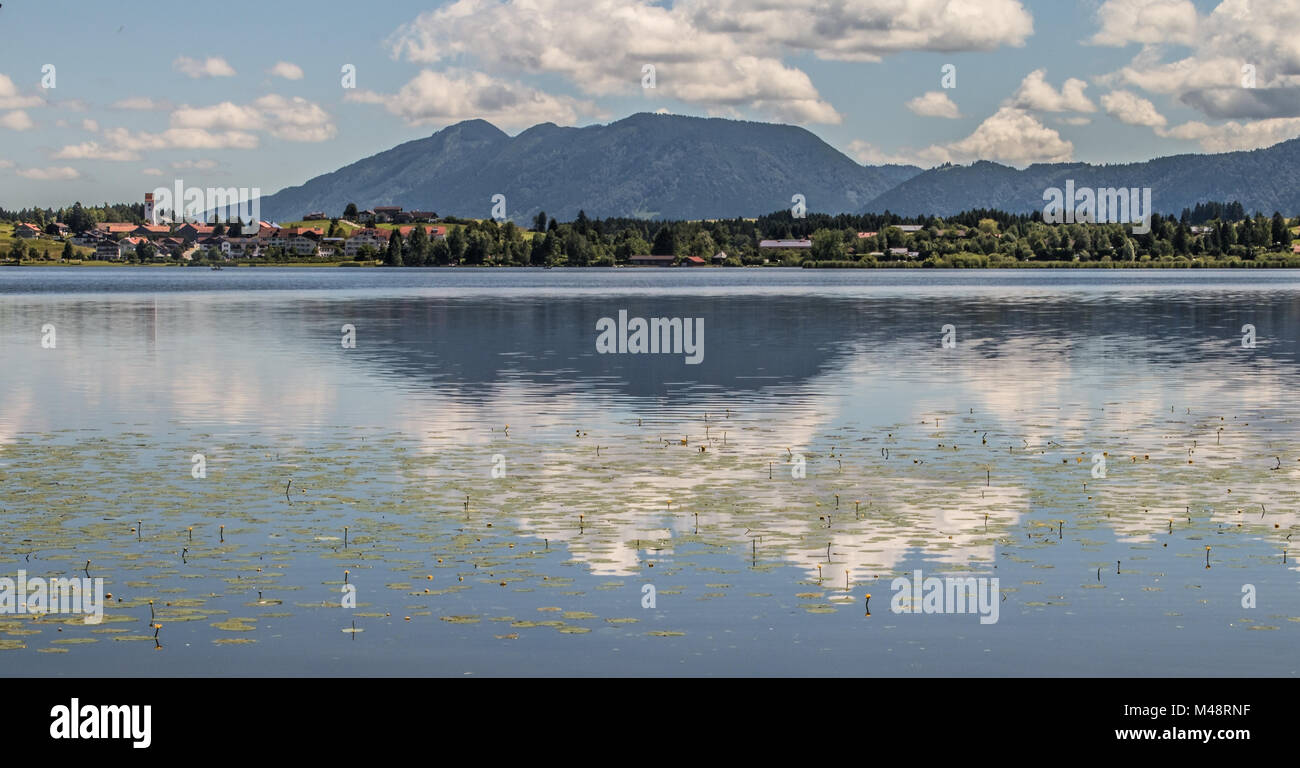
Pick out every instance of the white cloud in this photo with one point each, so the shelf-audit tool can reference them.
(11, 98)
(180, 138)
(17, 120)
(869, 154)
(1131, 109)
(92, 150)
(152, 172)
(865, 30)
(6, 164)
(287, 70)
(1233, 136)
(1244, 63)
(718, 56)
(934, 104)
(91, 126)
(1074, 120)
(294, 119)
(440, 98)
(1010, 135)
(1036, 93)
(142, 103)
(61, 173)
(1146, 21)
(213, 66)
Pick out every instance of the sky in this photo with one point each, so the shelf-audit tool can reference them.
(104, 100)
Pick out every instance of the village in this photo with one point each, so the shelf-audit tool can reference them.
(188, 241)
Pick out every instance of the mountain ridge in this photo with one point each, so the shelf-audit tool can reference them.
(651, 165)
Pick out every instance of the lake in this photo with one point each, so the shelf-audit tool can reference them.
(439, 472)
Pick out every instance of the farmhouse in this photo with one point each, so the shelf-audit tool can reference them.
(109, 250)
(27, 231)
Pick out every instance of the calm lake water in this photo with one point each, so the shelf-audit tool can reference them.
(472, 489)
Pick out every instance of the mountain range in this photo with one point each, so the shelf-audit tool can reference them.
(677, 167)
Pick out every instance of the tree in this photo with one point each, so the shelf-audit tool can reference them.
(68, 253)
(827, 245)
(417, 247)
(218, 229)
(665, 241)
(350, 212)
(456, 244)
(393, 256)
(539, 222)
(1281, 232)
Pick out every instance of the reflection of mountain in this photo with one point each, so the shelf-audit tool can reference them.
(756, 341)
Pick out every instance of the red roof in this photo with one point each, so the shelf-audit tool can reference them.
(694, 259)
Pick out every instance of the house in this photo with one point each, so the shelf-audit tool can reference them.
(908, 227)
(865, 235)
(191, 231)
(431, 232)
(151, 230)
(652, 261)
(386, 213)
(115, 228)
(693, 261)
(720, 257)
(108, 250)
(88, 239)
(375, 238)
(904, 253)
(786, 245)
(241, 247)
(27, 231)
(331, 246)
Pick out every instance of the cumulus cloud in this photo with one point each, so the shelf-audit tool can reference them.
(213, 66)
(718, 55)
(1244, 62)
(1146, 21)
(1131, 109)
(93, 150)
(12, 98)
(1011, 135)
(17, 120)
(180, 138)
(438, 98)
(934, 104)
(90, 126)
(292, 119)
(869, 154)
(152, 172)
(1233, 136)
(60, 173)
(287, 70)
(1036, 93)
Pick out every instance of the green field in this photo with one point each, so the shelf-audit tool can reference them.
(48, 247)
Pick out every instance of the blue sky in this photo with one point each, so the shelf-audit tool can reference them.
(251, 95)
